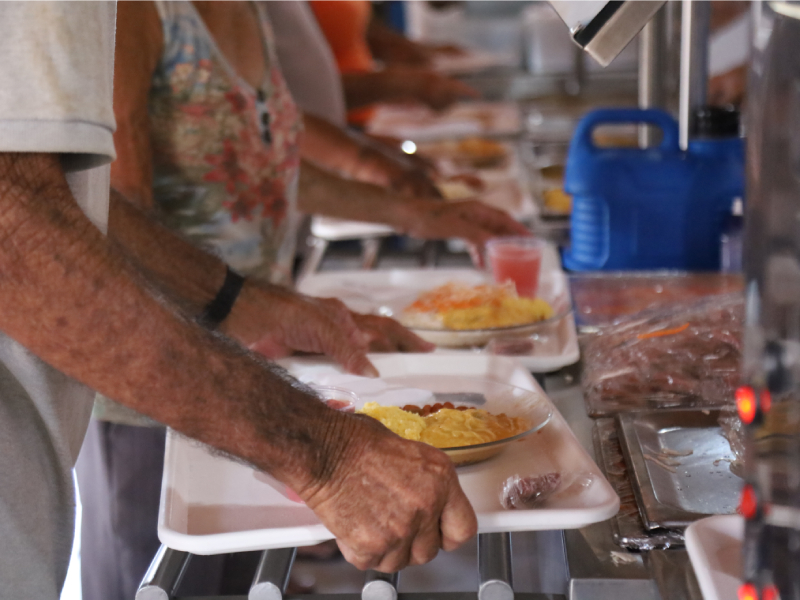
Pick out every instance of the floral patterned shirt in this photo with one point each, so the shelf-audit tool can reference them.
(225, 155)
(225, 158)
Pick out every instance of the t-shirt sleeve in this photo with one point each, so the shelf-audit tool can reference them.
(56, 80)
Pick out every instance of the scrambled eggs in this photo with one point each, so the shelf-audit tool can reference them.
(447, 428)
(461, 307)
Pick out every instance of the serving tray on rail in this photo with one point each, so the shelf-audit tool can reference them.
(552, 346)
(212, 505)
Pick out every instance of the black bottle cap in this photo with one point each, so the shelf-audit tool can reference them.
(715, 121)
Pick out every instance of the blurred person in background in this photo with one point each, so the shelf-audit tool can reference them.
(355, 37)
(208, 143)
(313, 78)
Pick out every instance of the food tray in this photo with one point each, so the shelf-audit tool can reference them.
(473, 60)
(715, 550)
(504, 184)
(672, 489)
(389, 291)
(420, 123)
(212, 505)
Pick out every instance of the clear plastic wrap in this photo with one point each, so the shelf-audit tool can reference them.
(533, 491)
(733, 430)
(687, 355)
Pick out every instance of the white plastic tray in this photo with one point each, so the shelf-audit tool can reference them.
(420, 123)
(505, 186)
(375, 291)
(715, 550)
(473, 60)
(212, 505)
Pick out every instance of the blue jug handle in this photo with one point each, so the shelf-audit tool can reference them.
(608, 116)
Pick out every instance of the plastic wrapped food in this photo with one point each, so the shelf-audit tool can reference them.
(733, 430)
(535, 490)
(687, 355)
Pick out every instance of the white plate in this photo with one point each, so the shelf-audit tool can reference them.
(715, 550)
(212, 505)
(386, 291)
(428, 389)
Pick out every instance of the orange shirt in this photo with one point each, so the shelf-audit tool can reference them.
(345, 23)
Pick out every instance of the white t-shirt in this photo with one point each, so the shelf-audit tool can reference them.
(306, 60)
(56, 76)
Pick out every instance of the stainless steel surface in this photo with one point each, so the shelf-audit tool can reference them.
(694, 63)
(574, 82)
(652, 61)
(620, 29)
(494, 567)
(628, 529)
(673, 575)
(613, 589)
(410, 596)
(164, 574)
(272, 574)
(380, 586)
(680, 466)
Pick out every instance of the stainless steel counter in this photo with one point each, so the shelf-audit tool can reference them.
(595, 566)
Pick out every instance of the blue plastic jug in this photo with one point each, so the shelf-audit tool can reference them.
(651, 208)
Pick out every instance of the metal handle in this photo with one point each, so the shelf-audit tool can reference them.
(494, 567)
(164, 575)
(272, 574)
(695, 19)
(380, 586)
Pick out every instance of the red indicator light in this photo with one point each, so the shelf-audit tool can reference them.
(770, 593)
(748, 503)
(766, 401)
(747, 591)
(746, 404)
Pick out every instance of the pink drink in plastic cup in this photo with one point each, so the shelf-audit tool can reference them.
(518, 259)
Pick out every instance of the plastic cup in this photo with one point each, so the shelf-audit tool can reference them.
(336, 398)
(516, 259)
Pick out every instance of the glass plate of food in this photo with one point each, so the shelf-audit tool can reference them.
(470, 419)
(458, 315)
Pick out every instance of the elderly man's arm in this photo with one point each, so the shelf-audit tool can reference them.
(363, 158)
(80, 306)
(324, 193)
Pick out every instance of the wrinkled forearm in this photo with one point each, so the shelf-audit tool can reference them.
(74, 301)
(323, 193)
(350, 154)
(188, 275)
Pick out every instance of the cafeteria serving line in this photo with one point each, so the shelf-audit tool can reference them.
(621, 333)
(399, 300)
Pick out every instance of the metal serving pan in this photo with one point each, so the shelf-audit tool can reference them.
(679, 464)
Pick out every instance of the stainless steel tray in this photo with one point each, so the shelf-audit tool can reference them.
(679, 463)
(628, 529)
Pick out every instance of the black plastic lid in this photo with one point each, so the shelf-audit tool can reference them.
(715, 121)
